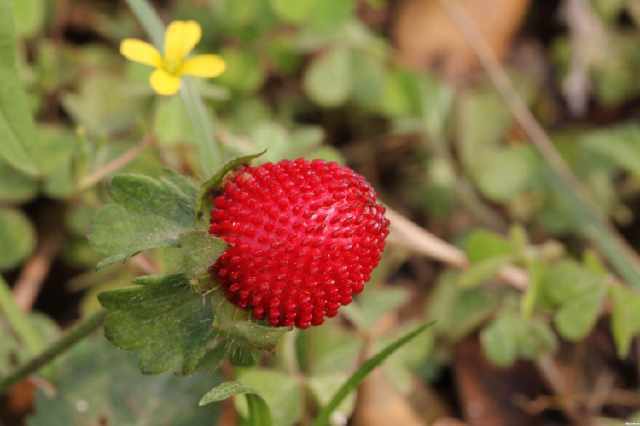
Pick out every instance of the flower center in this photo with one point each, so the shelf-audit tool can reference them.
(172, 67)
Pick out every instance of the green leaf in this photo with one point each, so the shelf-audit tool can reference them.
(281, 392)
(295, 11)
(510, 337)
(620, 145)
(14, 185)
(328, 79)
(324, 386)
(29, 16)
(258, 410)
(367, 367)
(223, 391)
(146, 213)
(503, 174)
(481, 245)
(625, 317)
(368, 87)
(165, 322)
(482, 271)
(215, 182)
(243, 73)
(17, 131)
(171, 123)
(371, 305)
(578, 316)
(104, 105)
(17, 238)
(96, 384)
(500, 341)
(567, 280)
(459, 310)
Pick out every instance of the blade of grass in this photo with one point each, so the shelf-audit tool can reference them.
(210, 155)
(367, 367)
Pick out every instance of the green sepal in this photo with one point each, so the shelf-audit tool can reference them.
(215, 181)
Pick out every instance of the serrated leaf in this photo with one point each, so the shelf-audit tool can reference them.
(215, 181)
(145, 213)
(165, 322)
(17, 238)
(96, 383)
(625, 317)
(17, 130)
(328, 79)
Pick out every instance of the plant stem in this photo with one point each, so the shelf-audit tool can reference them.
(65, 343)
(149, 19)
(18, 320)
(209, 150)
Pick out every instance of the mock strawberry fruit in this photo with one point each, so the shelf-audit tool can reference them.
(303, 238)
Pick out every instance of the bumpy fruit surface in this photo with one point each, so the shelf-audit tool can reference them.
(303, 238)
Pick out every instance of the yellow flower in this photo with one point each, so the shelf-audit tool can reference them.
(179, 40)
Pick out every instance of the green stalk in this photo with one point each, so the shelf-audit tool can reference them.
(65, 343)
(18, 320)
(209, 152)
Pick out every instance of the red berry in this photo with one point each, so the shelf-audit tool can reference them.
(303, 238)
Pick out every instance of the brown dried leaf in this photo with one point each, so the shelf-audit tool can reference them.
(426, 36)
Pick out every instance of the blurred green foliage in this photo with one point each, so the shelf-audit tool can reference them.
(313, 79)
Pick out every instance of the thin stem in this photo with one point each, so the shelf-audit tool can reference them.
(149, 19)
(18, 320)
(209, 151)
(65, 343)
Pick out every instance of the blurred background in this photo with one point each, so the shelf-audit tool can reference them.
(501, 134)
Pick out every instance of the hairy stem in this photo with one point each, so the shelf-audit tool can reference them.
(65, 343)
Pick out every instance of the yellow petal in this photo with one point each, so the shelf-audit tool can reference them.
(164, 83)
(140, 51)
(206, 66)
(180, 39)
